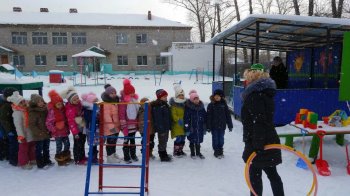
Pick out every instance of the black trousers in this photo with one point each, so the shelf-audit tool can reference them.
(163, 141)
(79, 147)
(112, 142)
(272, 175)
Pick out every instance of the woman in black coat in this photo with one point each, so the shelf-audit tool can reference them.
(279, 73)
(258, 129)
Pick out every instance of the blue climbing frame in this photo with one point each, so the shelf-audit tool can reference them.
(144, 162)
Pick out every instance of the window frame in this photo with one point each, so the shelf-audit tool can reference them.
(79, 38)
(123, 36)
(40, 38)
(64, 63)
(20, 59)
(142, 58)
(124, 59)
(141, 38)
(60, 39)
(41, 58)
(21, 38)
(161, 59)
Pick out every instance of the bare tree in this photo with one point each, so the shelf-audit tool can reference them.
(296, 7)
(283, 6)
(311, 8)
(337, 12)
(322, 8)
(265, 6)
(250, 7)
(195, 8)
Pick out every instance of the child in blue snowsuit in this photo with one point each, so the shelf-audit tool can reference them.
(194, 123)
(218, 117)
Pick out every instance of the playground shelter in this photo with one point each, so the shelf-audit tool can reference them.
(89, 65)
(313, 47)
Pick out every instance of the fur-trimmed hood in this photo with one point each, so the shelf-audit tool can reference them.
(173, 102)
(193, 106)
(264, 84)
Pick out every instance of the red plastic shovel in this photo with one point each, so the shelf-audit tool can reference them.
(322, 165)
(347, 157)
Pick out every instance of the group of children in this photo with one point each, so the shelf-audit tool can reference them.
(27, 126)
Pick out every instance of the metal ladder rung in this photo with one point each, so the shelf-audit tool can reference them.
(114, 193)
(118, 165)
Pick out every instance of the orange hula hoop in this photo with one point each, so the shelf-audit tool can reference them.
(287, 148)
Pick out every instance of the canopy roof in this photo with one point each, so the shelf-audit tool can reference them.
(283, 32)
(89, 53)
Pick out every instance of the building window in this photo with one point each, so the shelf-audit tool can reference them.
(61, 60)
(122, 38)
(40, 60)
(141, 38)
(39, 38)
(161, 60)
(19, 38)
(79, 38)
(59, 38)
(122, 60)
(18, 60)
(141, 60)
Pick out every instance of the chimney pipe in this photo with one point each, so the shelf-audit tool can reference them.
(73, 10)
(44, 9)
(149, 15)
(17, 9)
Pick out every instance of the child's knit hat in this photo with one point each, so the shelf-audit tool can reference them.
(55, 97)
(193, 94)
(110, 90)
(219, 92)
(89, 97)
(128, 88)
(69, 93)
(15, 98)
(161, 93)
(178, 90)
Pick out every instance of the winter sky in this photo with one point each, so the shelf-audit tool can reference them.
(157, 7)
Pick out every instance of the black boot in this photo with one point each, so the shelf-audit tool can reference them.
(176, 152)
(193, 153)
(40, 163)
(221, 152)
(133, 153)
(164, 156)
(182, 144)
(126, 151)
(198, 151)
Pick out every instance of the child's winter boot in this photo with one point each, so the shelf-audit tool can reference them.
(133, 153)
(182, 153)
(193, 153)
(60, 159)
(176, 152)
(126, 151)
(164, 157)
(198, 151)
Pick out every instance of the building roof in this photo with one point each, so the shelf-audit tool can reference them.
(89, 53)
(8, 67)
(86, 19)
(283, 32)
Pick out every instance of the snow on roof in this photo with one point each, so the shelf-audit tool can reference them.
(6, 49)
(56, 71)
(8, 67)
(86, 19)
(88, 53)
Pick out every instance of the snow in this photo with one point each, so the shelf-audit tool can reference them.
(183, 176)
(6, 49)
(86, 19)
(7, 67)
(88, 53)
(56, 71)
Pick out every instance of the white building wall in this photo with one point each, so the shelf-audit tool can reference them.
(187, 56)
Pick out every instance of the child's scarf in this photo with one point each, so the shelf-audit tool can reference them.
(25, 112)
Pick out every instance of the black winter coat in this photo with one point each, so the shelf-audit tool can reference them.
(218, 115)
(6, 118)
(257, 119)
(279, 74)
(161, 116)
(194, 121)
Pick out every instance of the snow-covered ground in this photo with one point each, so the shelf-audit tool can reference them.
(183, 176)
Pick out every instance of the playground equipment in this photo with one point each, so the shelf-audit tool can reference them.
(307, 118)
(301, 163)
(144, 166)
(90, 66)
(157, 75)
(314, 185)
